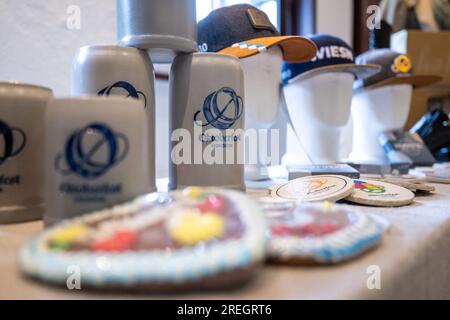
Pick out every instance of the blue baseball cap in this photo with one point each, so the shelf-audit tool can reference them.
(333, 55)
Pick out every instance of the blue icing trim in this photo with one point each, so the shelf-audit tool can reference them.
(189, 273)
(109, 277)
(244, 257)
(222, 266)
(336, 254)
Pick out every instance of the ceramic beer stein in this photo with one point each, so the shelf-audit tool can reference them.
(96, 155)
(123, 71)
(22, 109)
(163, 27)
(206, 121)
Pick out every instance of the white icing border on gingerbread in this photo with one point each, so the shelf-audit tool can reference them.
(341, 245)
(156, 266)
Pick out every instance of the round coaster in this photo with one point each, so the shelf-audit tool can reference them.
(432, 175)
(380, 194)
(314, 188)
(320, 234)
(408, 183)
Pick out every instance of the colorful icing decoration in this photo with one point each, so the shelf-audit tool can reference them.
(187, 238)
(306, 230)
(191, 227)
(212, 203)
(193, 192)
(327, 205)
(63, 238)
(320, 234)
(122, 240)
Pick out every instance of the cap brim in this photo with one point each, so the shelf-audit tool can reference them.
(295, 48)
(360, 71)
(416, 81)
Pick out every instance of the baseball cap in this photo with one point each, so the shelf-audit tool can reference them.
(441, 10)
(396, 68)
(243, 31)
(333, 55)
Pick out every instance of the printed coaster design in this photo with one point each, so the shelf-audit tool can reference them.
(319, 234)
(314, 189)
(195, 239)
(380, 194)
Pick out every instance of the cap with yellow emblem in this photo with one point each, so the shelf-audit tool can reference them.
(396, 68)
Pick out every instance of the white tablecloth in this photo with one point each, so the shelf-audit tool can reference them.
(414, 260)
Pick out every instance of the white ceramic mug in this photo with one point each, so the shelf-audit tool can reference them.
(206, 121)
(22, 109)
(96, 155)
(123, 71)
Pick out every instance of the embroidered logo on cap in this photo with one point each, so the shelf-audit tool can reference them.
(260, 20)
(203, 47)
(402, 64)
(333, 52)
(250, 46)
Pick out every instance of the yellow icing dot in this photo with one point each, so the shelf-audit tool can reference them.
(327, 205)
(69, 234)
(192, 228)
(193, 192)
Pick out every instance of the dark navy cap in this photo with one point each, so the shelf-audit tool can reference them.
(226, 26)
(243, 31)
(396, 68)
(333, 55)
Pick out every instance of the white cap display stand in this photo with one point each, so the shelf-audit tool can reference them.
(374, 112)
(262, 74)
(319, 108)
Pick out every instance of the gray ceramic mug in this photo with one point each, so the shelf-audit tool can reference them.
(206, 121)
(163, 27)
(122, 71)
(94, 155)
(22, 110)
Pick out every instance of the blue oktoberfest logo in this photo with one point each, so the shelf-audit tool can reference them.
(125, 86)
(11, 145)
(221, 109)
(92, 151)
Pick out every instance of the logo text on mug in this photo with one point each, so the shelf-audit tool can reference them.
(130, 90)
(14, 140)
(11, 145)
(92, 151)
(221, 109)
